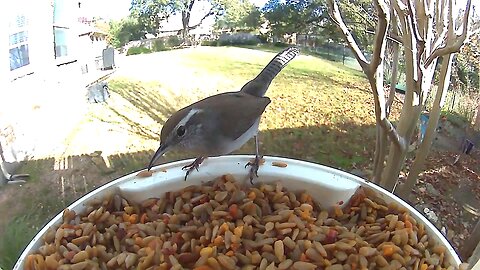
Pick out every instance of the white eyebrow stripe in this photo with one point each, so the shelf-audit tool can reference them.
(191, 113)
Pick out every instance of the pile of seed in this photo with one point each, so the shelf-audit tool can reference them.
(223, 225)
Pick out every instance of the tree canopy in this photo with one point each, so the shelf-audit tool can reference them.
(150, 13)
(311, 17)
(125, 30)
(239, 14)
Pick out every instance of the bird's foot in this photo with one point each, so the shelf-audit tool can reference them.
(254, 165)
(193, 166)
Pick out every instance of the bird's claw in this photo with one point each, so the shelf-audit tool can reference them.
(254, 165)
(193, 166)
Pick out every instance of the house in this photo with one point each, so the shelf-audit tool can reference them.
(93, 41)
(41, 36)
(42, 86)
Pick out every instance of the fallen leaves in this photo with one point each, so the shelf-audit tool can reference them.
(442, 187)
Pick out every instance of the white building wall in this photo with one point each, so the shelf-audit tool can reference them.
(38, 110)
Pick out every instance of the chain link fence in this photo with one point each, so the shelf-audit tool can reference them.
(330, 51)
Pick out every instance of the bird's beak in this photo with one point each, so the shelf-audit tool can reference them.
(160, 151)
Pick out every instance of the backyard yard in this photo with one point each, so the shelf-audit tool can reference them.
(321, 111)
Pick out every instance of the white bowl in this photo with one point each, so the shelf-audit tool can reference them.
(327, 185)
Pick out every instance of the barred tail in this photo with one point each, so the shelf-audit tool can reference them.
(260, 84)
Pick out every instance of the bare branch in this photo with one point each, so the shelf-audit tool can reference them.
(208, 14)
(393, 135)
(454, 44)
(422, 19)
(337, 18)
(383, 22)
(441, 27)
(383, 11)
(393, 79)
(391, 37)
(413, 21)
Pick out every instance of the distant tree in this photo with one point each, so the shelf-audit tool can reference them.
(239, 14)
(151, 13)
(311, 17)
(125, 30)
(468, 64)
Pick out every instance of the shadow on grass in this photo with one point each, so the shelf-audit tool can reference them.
(150, 101)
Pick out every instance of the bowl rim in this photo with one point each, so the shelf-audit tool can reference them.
(236, 158)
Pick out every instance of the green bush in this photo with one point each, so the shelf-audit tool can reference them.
(239, 38)
(138, 50)
(173, 41)
(280, 44)
(263, 38)
(159, 45)
(209, 43)
(456, 119)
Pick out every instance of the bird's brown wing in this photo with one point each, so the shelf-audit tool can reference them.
(235, 112)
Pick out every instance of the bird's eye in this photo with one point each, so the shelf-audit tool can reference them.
(181, 131)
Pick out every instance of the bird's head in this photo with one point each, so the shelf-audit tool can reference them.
(178, 132)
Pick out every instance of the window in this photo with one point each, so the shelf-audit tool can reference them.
(62, 13)
(61, 38)
(18, 45)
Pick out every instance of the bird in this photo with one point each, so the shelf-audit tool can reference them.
(222, 123)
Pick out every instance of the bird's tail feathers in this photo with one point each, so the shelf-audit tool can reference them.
(259, 85)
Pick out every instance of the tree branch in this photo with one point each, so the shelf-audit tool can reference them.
(424, 149)
(414, 23)
(383, 22)
(377, 59)
(393, 135)
(337, 19)
(393, 77)
(209, 13)
(391, 37)
(452, 44)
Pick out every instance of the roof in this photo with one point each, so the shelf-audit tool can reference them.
(85, 29)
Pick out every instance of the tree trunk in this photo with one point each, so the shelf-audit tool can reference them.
(410, 111)
(422, 47)
(185, 22)
(434, 116)
(382, 142)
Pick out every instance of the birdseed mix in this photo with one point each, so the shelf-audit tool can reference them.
(225, 225)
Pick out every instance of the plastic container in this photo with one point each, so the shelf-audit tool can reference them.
(327, 185)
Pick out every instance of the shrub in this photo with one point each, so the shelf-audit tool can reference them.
(173, 41)
(238, 39)
(263, 38)
(280, 44)
(209, 43)
(138, 50)
(159, 45)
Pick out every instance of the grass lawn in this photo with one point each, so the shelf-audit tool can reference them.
(321, 111)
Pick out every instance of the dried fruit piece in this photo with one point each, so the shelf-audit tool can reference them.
(144, 174)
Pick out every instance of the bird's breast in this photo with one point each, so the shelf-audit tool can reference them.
(229, 146)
